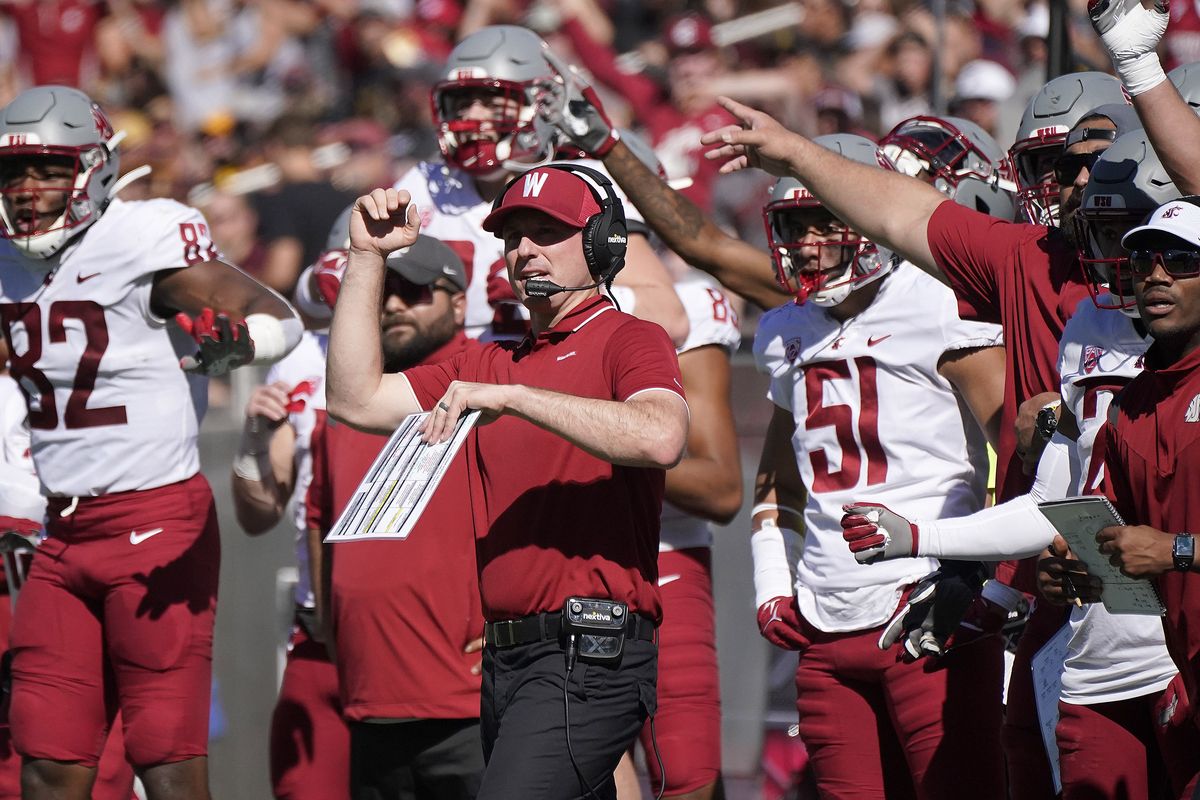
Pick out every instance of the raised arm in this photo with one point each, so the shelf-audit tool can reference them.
(742, 268)
(357, 391)
(885, 206)
(1130, 31)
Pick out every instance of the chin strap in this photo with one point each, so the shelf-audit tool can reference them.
(137, 173)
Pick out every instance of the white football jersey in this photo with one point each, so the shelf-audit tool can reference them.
(713, 322)
(304, 365)
(20, 495)
(1100, 351)
(876, 422)
(452, 210)
(109, 408)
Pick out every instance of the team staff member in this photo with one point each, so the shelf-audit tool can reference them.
(1151, 462)
(118, 608)
(405, 616)
(566, 479)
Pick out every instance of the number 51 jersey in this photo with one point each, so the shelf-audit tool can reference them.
(876, 422)
(109, 408)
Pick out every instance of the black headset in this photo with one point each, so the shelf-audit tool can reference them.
(605, 235)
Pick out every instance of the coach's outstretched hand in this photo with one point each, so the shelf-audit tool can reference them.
(759, 141)
(384, 221)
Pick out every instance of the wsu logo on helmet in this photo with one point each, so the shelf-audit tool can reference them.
(103, 126)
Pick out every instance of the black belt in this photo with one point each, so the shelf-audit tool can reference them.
(547, 627)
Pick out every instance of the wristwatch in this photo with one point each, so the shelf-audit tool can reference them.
(1183, 551)
(1046, 421)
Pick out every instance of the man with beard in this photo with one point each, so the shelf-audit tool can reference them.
(408, 679)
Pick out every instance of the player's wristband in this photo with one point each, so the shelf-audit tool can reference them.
(775, 551)
(1140, 74)
(246, 466)
(273, 338)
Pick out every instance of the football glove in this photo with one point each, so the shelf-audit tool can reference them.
(936, 607)
(876, 533)
(327, 274)
(779, 623)
(224, 345)
(1130, 33)
(571, 105)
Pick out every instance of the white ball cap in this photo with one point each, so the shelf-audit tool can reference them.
(982, 79)
(1174, 223)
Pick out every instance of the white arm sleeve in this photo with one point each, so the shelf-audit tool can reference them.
(1015, 529)
(775, 552)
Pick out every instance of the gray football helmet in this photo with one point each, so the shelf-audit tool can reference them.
(1126, 184)
(1186, 78)
(46, 125)
(958, 158)
(1051, 113)
(789, 220)
(504, 63)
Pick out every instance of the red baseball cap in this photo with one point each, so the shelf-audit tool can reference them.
(688, 33)
(557, 193)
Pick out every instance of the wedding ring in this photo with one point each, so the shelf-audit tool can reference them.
(442, 405)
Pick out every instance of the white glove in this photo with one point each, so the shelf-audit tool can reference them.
(572, 106)
(1130, 33)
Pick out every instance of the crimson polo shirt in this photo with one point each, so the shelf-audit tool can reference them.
(402, 611)
(1152, 471)
(552, 521)
(1025, 278)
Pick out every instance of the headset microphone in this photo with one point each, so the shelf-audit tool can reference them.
(536, 287)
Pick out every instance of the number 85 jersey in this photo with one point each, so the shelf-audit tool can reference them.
(875, 421)
(109, 408)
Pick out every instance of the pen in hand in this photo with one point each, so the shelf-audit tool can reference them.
(1072, 593)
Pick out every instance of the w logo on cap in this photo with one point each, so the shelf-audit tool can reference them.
(534, 182)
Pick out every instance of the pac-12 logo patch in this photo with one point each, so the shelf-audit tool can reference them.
(1091, 358)
(791, 350)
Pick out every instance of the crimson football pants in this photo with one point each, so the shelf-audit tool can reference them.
(117, 612)
(876, 726)
(1141, 748)
(310, 742)
(687, 725)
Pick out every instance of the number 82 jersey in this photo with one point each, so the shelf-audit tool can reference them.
(109, 408)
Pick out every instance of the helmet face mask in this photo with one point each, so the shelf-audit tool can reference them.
(844, 260)
(485, 106)
(802, 232)
(1052, 112)
(1126, 184)
(956, 157)
(1104, 261)
(58, 164)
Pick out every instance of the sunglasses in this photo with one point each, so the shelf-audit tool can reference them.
(1067, 167)
(1176, 263)
(411, 294)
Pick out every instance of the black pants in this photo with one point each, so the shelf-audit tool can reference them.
(427, 759)
(523, 724)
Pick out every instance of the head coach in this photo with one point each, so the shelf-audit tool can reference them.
(566, 477)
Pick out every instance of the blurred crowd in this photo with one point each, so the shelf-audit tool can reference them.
(228, 100)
